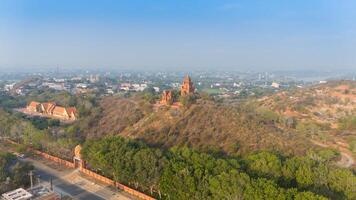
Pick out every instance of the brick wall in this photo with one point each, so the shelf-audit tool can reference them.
(55, 159)
(108, 181)
(92, 174)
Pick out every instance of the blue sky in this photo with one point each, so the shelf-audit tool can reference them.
(178, 34)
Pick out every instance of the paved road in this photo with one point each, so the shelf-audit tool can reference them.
(72, 183)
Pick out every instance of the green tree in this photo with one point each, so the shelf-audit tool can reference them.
(187, 100)
(265, 164)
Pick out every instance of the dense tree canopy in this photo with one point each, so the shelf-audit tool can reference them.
(182, 173)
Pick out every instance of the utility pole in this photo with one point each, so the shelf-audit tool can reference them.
(31, 178)
(51, 182)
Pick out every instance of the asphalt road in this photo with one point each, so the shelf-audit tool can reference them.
(72, 183)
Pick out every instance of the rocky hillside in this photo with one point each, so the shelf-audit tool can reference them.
(325, 114)
(325, 103)
(206, 125)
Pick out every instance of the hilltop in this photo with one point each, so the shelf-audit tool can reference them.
(206, 125)
(291, 122)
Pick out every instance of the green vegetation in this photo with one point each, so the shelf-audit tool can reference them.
(48, 134)
(25, 132)
(43, 123)
(207, 150)
(181, 173)
(188, 100)
(347, 123)
(9, 102)
(13, 174)
(352, 145)
(212, 91)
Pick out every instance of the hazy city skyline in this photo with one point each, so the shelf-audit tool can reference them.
(188, 35)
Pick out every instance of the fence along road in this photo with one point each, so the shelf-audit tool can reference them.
(70, 182)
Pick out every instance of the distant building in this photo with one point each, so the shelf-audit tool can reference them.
(18, 194)
(77, 78)
(110, 91)
(125, 86)
(237, 84)
(82, 85)
(133, 87)
(50, 109)
(187, 87)
(39, 192)
(139, 87)
(275, 85)
(94, 78)
(59, 80)
(156, 89)
(34, 106)
(9, 87)
(55, 86)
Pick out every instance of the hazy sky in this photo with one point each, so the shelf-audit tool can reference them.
(187, 34)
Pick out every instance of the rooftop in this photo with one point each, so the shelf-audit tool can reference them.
(18, 194)
(40, 192)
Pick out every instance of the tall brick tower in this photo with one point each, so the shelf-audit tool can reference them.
(187, 87)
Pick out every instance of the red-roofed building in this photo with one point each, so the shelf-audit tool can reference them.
(47, 108)
(50, 109)
(65, 113)
(72, 112)
(34, 106)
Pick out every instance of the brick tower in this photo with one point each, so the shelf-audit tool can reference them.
(187, 87)
(167, 97)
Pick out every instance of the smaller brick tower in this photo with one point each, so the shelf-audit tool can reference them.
(167, 97)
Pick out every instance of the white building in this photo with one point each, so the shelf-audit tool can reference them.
(18, 194)
(9, 87)
(156, 89)
(133, 87)
(275, 85)
(55, 86)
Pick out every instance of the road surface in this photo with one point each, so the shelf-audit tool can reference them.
(71, 182)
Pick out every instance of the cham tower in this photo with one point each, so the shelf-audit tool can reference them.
(187, 87)
(167, 97)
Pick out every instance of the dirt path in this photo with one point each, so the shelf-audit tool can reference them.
(346, 160)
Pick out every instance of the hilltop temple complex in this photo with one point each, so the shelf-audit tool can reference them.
(50, 109)
(186, 89)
